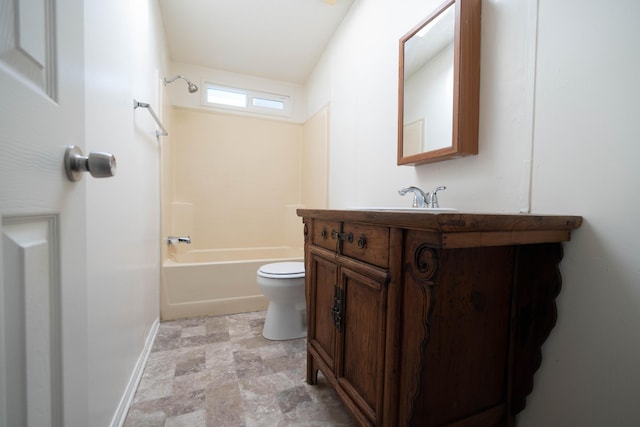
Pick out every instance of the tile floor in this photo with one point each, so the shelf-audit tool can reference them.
(221, 372)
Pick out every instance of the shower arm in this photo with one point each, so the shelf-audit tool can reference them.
(191, 86)
(173, 79)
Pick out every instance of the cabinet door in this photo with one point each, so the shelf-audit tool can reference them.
(322, 283)
(361, 340)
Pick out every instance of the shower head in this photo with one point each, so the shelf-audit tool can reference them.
(192, 87)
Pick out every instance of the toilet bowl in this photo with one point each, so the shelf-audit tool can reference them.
(283, 285)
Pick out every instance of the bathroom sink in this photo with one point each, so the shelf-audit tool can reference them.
(406, 209)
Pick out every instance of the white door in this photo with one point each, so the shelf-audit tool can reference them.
(43, 331)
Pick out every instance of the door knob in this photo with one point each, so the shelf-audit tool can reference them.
(98, 164)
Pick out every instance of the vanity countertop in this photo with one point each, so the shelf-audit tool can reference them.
(462, 229)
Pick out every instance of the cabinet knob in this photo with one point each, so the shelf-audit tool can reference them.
(362, 241)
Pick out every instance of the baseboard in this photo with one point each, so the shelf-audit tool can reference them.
(130, 391)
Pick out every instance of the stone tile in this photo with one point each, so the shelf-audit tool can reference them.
(296, 346)
(254, 342)
(260, 394)
(298, 376)
(136, 418)
(290, 399)
(248, 364)
(204, 339)
(167, 338)
(331, 413)
(219, 353)
(217, 324)
(269, 420)
(151, 389)
(285, 362)
(267, 385)
(190, 362)
(220, 371)
(256, 325)
(240, 329)
(194, 331)
(161, 365)
(201, 380)
(222, 336)
(191, 419)
(224, 405)
(173, 405)
(246, 325)
(188, 323)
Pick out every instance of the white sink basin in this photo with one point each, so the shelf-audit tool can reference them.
(405, 209)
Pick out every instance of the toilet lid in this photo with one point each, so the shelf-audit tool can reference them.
(282, 270)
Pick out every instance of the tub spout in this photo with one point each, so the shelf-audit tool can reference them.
(175, 240)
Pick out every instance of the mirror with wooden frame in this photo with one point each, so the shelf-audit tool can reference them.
(439, 85)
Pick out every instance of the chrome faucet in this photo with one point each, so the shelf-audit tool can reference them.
(422, 199)
(172, 240)
(419, 197)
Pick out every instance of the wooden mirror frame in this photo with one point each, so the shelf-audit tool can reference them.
(466, 85)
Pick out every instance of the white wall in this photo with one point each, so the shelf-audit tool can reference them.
(124, 54)
(574, 115)
(201, 75)
(358, 76)
(585, 153)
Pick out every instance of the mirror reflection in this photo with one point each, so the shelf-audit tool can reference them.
(428, 86)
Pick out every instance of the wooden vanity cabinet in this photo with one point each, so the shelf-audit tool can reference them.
(420, 319)
(344, 287)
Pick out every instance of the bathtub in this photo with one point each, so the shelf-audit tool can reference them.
(214, 282)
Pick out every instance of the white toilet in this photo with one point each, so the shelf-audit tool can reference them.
(283, 285)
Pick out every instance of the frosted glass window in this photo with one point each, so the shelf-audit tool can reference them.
(226, 97)
(247, 100)
(268, 103)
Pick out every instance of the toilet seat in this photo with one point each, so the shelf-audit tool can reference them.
(282, 270)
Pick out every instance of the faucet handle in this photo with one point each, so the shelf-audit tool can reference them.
(432, 198)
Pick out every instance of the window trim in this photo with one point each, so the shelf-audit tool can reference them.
(251, 95)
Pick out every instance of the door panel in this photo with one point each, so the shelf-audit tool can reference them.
(31, 305)
(322, 331)
(27, 47)
(361, 345)
(43, 354)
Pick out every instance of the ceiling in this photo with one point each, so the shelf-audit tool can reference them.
(275, 39)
